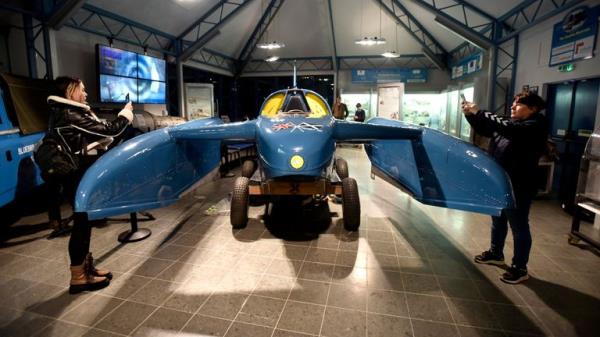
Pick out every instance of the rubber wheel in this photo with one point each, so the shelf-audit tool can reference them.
(350, 204)
(341, 167)
(239, 203)
(248, 168)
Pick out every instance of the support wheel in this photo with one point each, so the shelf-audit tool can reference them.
(239, 203)
(248, 168)
(341, 167)
(350, 204)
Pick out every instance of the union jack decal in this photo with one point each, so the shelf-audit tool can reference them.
(302, 127)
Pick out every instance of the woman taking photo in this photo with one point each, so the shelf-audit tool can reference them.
(75, 131)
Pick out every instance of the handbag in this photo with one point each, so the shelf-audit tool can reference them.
(53, 159)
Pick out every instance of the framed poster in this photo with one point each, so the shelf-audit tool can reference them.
(199, 102)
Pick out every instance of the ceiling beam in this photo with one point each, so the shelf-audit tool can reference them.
(258, 32)
(403, 17)
(518, 19)
(331, 26)
(483, 31)
(206, 28)
(64, 13)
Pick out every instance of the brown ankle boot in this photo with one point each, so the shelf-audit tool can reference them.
(82, 280)
(89, 263)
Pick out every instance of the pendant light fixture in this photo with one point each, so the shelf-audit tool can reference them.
(269, 45)
(393, 53)
(370, 41)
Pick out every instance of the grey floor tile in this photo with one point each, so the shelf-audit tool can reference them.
(24, 324)
(310, 291)
(316, 271)
(61, 303)
(163, 322)
(478, 332)
(433, 329)
(33, 296)
(126, 317)
(284, 268)
(124, 285)
(344, 323)
(348, 297)
(151, 267)
(516, 319)
(321, 255)
(92, 310)
(99, 333)
(459, 288)
(223, 305)
(383, 326)
(384, 262)
(301, 317)
(274, 286)
(242, 330)
(206, 326)
(353, 276)
(387, 302)
(415, 265)
(63, 329)
(428, 307)
(472, 313)
(261, 311)
(422, 284)
(177, 272)
(155, 292)
(382, 279)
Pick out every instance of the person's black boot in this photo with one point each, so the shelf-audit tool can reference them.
(514, 275)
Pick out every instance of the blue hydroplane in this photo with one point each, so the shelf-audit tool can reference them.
(295, 136)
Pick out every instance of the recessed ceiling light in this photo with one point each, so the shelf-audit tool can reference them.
(271, 45)
(272, 59)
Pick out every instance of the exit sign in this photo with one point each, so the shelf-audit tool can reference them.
(566, 68)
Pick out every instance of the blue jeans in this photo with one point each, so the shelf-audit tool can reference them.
(518, 218)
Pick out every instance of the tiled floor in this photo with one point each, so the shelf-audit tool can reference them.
(407, 272)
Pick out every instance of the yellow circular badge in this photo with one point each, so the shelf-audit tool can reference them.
(297, 162)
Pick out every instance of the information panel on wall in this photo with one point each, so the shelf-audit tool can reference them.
(574, 37)
(404, 75)
(467, 66)
(199, 100)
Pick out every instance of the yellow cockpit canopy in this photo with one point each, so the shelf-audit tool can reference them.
(293, 101)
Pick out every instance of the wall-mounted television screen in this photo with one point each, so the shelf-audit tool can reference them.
(115, 89)
(151, 91)
(123, 72)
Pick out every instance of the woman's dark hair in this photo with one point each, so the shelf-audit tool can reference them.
(64, 86)
(532, 100)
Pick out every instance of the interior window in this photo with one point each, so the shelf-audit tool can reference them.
(317, 106)
(272, 105)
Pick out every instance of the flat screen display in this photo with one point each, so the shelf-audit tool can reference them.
(118, 62)
(151, 68)
(151, 91)
(123, 72)
(115, 89)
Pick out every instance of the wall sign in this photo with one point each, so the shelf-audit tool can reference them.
(405, 75)
(574, 37)
(467, 66)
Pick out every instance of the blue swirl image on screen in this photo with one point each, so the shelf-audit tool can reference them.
(151, 92)
(151, 68)
(118, 62)
(115, 89)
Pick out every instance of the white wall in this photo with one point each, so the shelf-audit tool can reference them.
(534, 55)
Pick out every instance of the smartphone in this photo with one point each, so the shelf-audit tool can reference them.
(462, 97)
(127, 98)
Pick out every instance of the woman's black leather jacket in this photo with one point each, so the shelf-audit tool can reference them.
(77, 126)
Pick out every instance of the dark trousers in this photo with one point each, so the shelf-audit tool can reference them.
(518, 219)
(79, 242)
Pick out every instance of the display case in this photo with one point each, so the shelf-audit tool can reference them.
(588, 188)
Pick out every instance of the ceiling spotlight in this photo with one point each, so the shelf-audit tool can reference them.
(370, 41)
(270, 45)
(272, 59)
(390, 54)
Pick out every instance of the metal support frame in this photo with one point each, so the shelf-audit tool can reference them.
(33, 34)
(63, 13)
(98, 21)
(285, 65)
(261, 27)
(334, 57)
(203, 30)
(403, 17)
(378, 61)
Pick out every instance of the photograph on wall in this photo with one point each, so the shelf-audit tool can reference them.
(199, 100)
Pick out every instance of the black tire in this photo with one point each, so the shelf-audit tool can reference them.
(341, 167)
(248, 168)
(350, 204)
(239, 203)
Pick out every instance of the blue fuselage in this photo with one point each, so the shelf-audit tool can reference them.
(280, 139)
